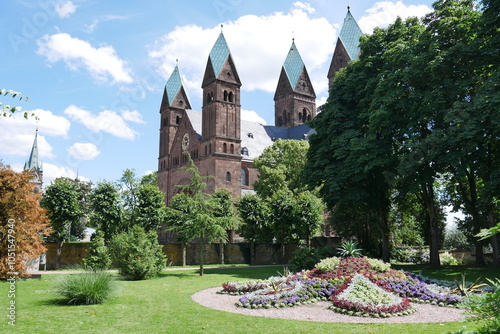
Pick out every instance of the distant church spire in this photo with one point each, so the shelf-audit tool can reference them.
(34, 165)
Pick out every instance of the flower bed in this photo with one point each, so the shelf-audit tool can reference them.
(356, 286)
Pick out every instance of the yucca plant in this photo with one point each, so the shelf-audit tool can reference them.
(88, 288)
(466, 290)
(349, 248)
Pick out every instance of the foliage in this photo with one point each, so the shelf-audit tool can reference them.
(98, 256)
(92, 287)
(455, 239)
(255, 214)
(150, 210)
(106, 209)
(195, 214)
(137, 254)
(328, 264)
(349, 248)
(466, 289)
(449, 260)
(305, 258)
(23, 223)
(486, 307)
(378, 265)
(61, 199)
(8, 110)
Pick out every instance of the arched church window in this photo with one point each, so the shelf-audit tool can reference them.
(244, 177)
(232, 149)
(225, 95)
(300, 116)
(228, 177)
(224, 148)
(230, 97)
(177, 120)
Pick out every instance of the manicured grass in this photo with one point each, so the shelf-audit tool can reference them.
(164, 305)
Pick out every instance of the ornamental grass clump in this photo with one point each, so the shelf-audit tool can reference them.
(88, 288)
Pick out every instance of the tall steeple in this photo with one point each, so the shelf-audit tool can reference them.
(34, 166)
(347, 47)
(175, 101)
(295, 99)
(221, 110)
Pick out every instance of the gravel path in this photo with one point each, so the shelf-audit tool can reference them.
(320, 312)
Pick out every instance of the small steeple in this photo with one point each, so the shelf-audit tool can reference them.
(33, 163)
(293, 65)
(174, 85)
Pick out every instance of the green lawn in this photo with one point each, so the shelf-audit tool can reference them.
(164, 305)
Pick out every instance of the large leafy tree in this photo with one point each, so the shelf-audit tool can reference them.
(23, 223)
(150, 207)
(61, 200)
(106, 211)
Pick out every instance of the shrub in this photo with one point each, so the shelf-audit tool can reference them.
(305, 258)
(137, 254)
(378, 265)
(448, 260)
(98, 254)
(486, 307)
(328, 264)
(92, 287)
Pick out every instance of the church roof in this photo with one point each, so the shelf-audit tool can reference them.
(293, 65)
(174, 84)
(219, 54)
(256, 137)
(33, 163)
(350, 34)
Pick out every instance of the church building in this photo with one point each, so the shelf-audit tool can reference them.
(221, 144)
(35, 167)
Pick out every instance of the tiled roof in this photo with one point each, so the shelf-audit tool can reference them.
(350, 34)
(219, 54)
(293, 65)
(174, 84)
(256, 137)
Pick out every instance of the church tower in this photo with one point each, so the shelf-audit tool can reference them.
(35, 167)
(173, 105)
(221, 108)
(347, 47)
(295, 99)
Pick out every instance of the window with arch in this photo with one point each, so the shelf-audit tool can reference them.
(244, 151)
(225, 95)
(224, 148)
(177, 120)
(231, 96)
(232, 149)
(244, 177)
(228, 177)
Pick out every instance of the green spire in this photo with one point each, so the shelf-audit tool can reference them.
(33, 163)
(293, 65)
(350, 34)
(174, 84)
(219, 54)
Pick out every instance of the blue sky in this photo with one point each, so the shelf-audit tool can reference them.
(94, 71)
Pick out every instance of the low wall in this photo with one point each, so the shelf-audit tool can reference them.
(235, 253)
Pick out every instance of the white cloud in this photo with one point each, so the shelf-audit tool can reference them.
(258, 44)
(320, 101)
(83, 151)
(132, 116)
(101, 62)
(17, 133)
(106, 121)
(384, 13)
(252, 116)
(65, 9)
(52, 172)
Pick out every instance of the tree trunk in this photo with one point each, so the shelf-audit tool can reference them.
(202, 257)
(429, 203)
(59, 244)
(282, 255)
(252, 253)
(221, 250)
(183, 251)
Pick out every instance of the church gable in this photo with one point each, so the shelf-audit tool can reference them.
(283, 89)
(185, 140)
(304, 85)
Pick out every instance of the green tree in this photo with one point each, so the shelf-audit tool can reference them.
(191, 215)
(106, 211)
(150, 207)
(128, 191)
(256, 227)
(61, 200)
(280, 167)
(98, 255)
(309, 210)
